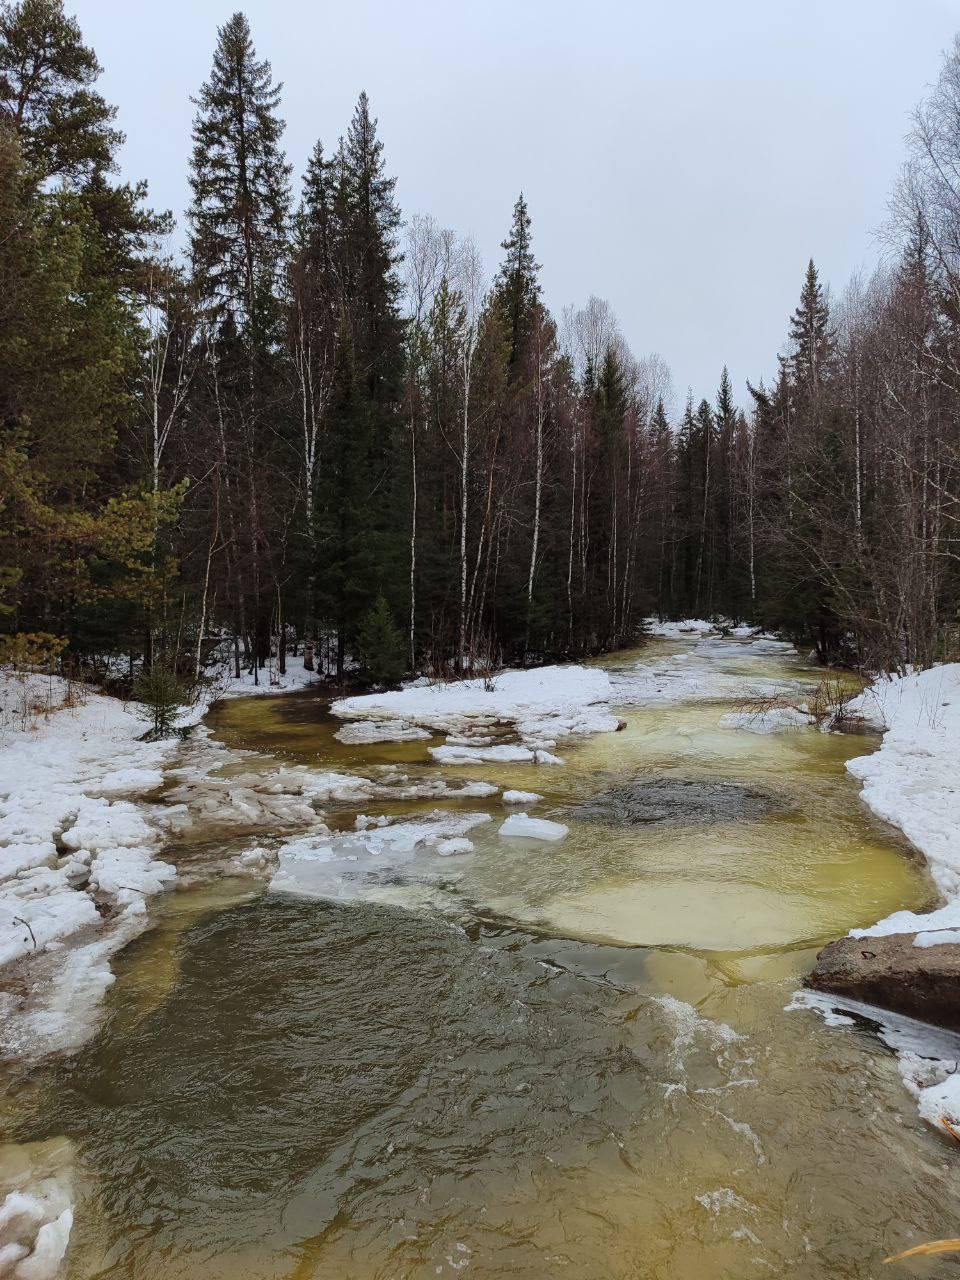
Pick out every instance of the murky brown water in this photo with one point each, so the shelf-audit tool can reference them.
(552, 1060)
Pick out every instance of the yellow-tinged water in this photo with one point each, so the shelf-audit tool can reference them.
(557, 1060)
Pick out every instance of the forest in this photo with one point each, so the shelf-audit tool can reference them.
(302, 419)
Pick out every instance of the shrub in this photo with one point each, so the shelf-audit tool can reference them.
(163, 696)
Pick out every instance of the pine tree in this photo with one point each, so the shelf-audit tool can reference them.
(65, 130)
(241, 193)
(47, 97)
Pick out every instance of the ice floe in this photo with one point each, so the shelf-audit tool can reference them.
(356, 864)
(521, 825)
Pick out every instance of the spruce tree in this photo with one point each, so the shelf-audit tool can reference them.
(380, 644)
(240, 181)
(811, 335)
(517, 286)
(363, 484)
(370, 222)
(239, 245)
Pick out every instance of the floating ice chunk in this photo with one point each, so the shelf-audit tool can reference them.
(766, 645)
(504, 754)
(364, 821)
(547, 757)
(353, 865)
(123, 780)
(772, 720)
(48, 1251)
(457, 844)
(362, 732)
(120, 872)
(521, 797)
(102, 825)
(527, 828)
(475, 790)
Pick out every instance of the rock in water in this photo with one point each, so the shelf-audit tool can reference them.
(891, 972)
(679, 801)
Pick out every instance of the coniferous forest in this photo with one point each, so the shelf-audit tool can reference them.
(299, 416)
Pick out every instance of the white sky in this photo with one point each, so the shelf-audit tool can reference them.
(682, 160)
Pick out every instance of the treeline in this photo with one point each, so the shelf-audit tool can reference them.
(320, 425)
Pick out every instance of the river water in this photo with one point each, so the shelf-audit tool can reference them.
(538, 1060)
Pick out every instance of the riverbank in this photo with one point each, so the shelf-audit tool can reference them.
(909, 962)
(79, 842)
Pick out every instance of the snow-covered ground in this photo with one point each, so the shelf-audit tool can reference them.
(913, 782)
(77, 858)
(77, 865)
(269, 680)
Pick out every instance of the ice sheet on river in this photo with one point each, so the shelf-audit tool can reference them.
(541, 705)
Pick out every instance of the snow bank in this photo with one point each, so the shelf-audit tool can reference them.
(76, 862)
(540, 705)
(269, 680)
(913, 782)
(679, 630)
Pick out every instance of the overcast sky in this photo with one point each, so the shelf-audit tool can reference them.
(682, 160)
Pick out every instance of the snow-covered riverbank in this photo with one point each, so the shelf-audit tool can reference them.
(77, 855)
(78, 846)
(913, 782)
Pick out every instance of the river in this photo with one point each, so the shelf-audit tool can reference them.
(538, 1060)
